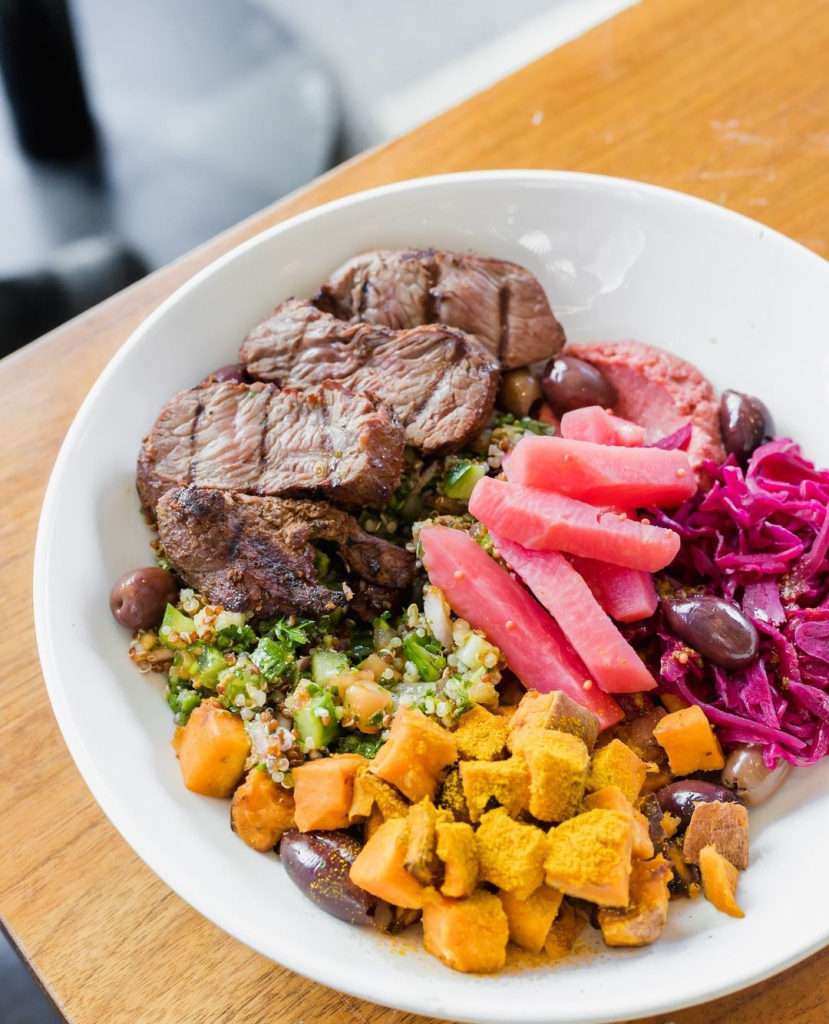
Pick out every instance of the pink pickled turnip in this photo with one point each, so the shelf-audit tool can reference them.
(627, 595)
(484, 594)
(610, 659)
(603, 474)
(545, 521)
(593, 423)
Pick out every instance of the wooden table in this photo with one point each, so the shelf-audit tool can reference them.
(726, 100)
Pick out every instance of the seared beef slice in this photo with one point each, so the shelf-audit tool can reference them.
(254, 438)
(251, 553)
(502, 304)
(440, 382)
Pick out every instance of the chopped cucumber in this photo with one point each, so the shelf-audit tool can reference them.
(210, 663)
(184, 668)
(182, 701)
(473, 651)
(461, 477)
(173, 624)
(327, 664)
(429, 664)
(315, 717)
(243, 685)
(383, 634)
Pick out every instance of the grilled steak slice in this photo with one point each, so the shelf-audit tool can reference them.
(502, 304)
(250, 553)
(440, 382)
(326, 441)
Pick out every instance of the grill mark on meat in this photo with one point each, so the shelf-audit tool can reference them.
(235, 538)
(194, 429)
(263, 436)
(431, 297)
(503, 312)
(363, 302)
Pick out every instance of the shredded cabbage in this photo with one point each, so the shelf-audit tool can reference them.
(759, 537)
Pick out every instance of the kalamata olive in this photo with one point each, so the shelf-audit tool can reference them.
(139, 598)
(571, 383)
(714, 627)
(745, 422)
(746, 773)
(678, 798)
(520, 390)
(318, 864)
(231, 372)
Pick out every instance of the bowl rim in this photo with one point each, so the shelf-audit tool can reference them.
(406, 1001)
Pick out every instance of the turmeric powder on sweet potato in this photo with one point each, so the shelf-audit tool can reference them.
(481, 736)
(557, 764)
(590, 857)
(616, 765)
(468, 935)
(506, 782)
(510, 854)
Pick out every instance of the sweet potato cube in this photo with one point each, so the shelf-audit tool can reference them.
(212, 749)
(553, 710)
(378, 867)
(557, 763)
(563, 932)
(415, 754)
(617, 765)
(530, 920)
(421, 859)
(481, 736)
(644, 920)
(719, 881)
(721, 825)
(689, 741)
(457, 849)
(589, 857)
(507, 782)
(323, 791)
(467, 935)
(261, 811)
(370, 791)
(510, 854)
(611, 798)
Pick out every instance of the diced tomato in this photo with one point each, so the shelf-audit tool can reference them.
(627, 595)
(610, 659)
(545, 521)
(593, 423)
(484, 594)
(603, 474)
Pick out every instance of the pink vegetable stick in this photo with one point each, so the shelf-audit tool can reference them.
(545, 521)
(484, 594)
(610, 659)
(627, 595)
(603, 474)
(593, 423)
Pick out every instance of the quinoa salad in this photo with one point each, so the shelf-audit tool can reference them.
(478, 632)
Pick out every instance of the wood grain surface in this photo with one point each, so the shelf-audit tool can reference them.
(726, 100)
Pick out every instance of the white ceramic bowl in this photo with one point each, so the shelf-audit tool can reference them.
(619, 259)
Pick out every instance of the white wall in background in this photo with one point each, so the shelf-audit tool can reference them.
(398, 63)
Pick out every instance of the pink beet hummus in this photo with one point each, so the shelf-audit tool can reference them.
(660, 392)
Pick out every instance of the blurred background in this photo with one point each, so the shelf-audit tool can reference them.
(132, 132)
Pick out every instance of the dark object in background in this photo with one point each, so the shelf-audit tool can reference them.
(78, 276)
(39, 64)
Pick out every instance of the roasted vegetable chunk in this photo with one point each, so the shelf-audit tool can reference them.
(689, 741)
(554, 711)
(557, 764)
(644, 920)
(617, 765)
(467, 935)
(421, 859)
(563, 932)
(371, 792)
(324, 790)
(481, 736)
(589, 857)
(719, 881)
(611, 798)
(530, 920)
(212, 749)
(261, 811)
(721, 825)
(414, 755)
(505, 782)
(510, 854)
(379, 869)
(457, 849)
